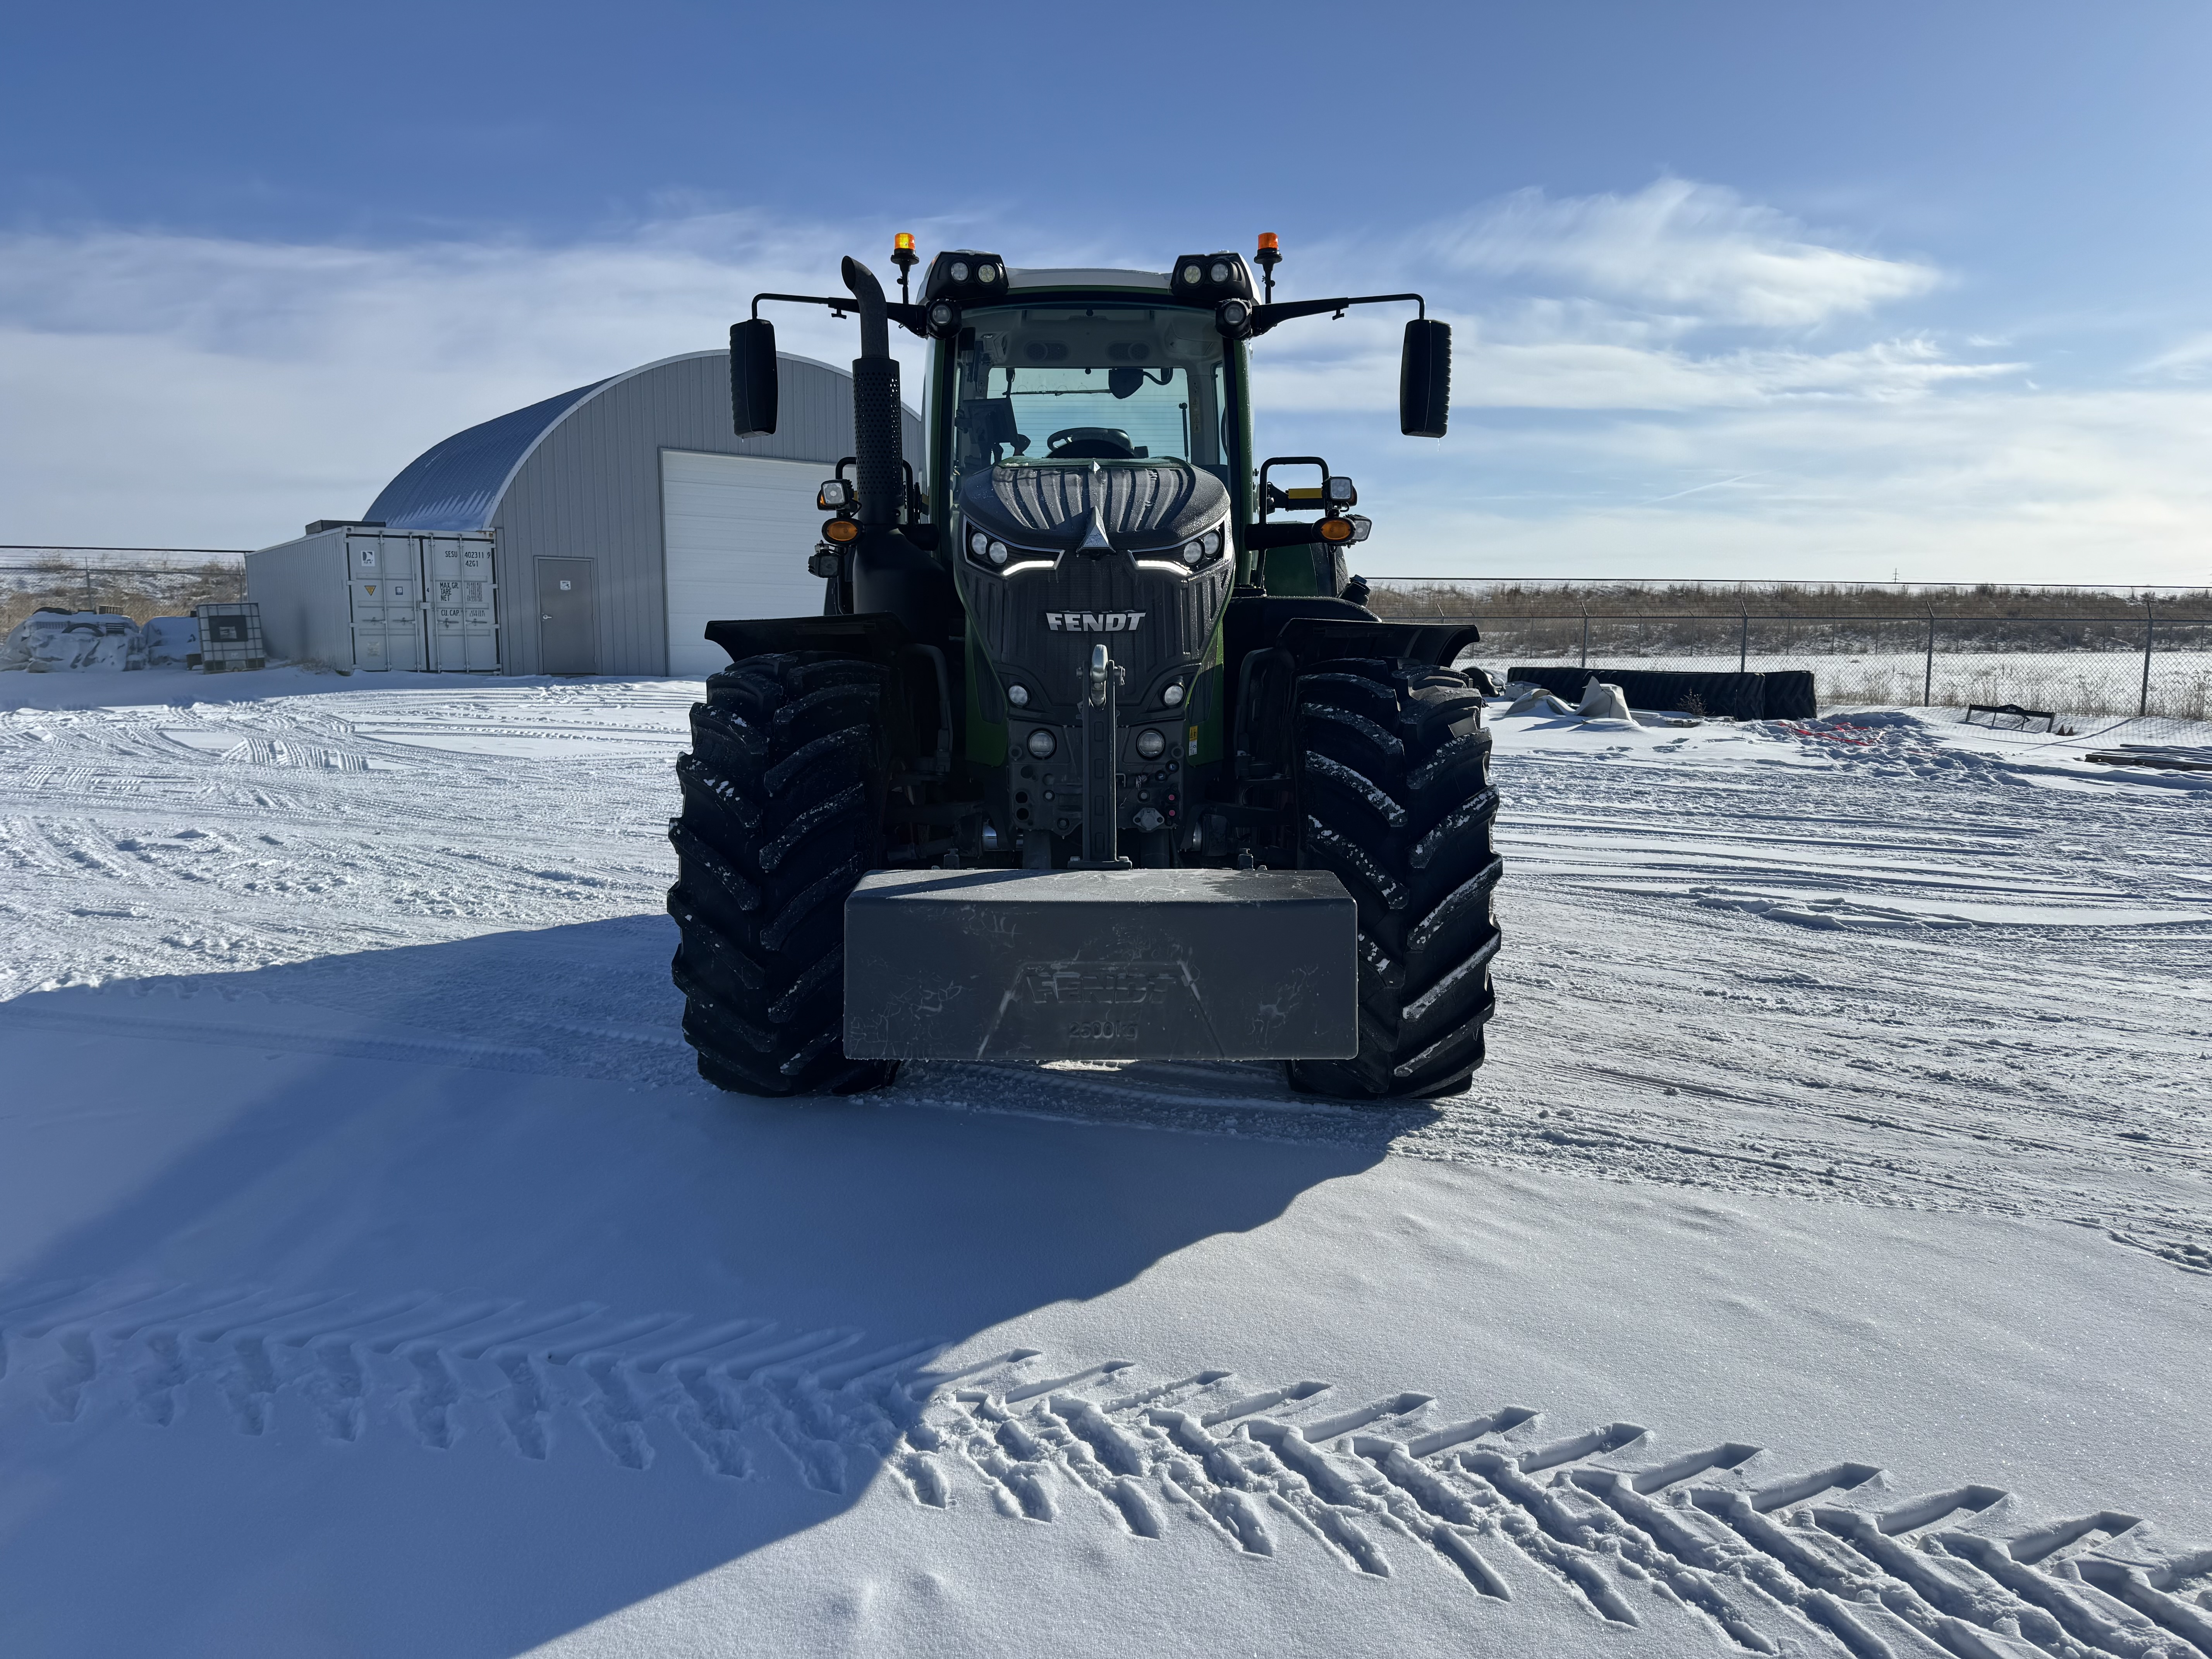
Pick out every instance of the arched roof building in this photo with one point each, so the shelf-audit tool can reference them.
(633, 491)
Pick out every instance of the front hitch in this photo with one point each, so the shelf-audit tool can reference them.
(1102, 682)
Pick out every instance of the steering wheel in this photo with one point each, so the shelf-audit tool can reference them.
(1091, 443)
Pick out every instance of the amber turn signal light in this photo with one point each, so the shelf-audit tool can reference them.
(844, 530)
(1336, 530)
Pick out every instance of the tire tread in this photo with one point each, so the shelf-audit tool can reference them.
(1422, 873)
(783, 807)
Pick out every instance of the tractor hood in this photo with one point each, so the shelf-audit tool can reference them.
(1095, 551)
(1136, 507)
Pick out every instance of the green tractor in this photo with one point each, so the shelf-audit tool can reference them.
(1094, 753)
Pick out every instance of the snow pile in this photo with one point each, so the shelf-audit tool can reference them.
(1534, 699)
(170, 641)
(51, 641)
(1600, 701)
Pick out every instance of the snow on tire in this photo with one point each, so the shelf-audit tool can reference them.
(783, 804)
(1394, 797)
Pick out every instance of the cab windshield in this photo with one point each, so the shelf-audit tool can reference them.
(1097, 382)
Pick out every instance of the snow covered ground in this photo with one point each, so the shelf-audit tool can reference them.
(376, 1276)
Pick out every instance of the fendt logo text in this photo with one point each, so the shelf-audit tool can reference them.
(1093, 622)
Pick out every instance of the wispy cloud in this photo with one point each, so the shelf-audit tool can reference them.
(183, 389)
(2186, 360)
(1695, 250)
(1619, 359)
(1565, 373)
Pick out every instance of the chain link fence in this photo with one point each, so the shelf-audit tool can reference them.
(2104, 655)
(137, 582)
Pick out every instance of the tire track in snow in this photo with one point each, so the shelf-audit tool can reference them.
(1891, 1068)
(434, 1367)
(1835, 1561)
(309, 834)
(1722, 1539)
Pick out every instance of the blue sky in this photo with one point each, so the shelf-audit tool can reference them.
(1739, 290)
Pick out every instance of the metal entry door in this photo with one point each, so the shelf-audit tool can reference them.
(568, 631)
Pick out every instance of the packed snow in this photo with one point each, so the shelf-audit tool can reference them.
(1819, 1265)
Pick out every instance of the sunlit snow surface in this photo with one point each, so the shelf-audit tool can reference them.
(376, 1276)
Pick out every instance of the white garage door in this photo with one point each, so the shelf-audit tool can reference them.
(738, 532)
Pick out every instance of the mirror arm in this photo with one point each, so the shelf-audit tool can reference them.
(913, 318)
(1266, 317)
(839, 305)
(1284, 460)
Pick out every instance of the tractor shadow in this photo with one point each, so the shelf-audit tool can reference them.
(514, 1120)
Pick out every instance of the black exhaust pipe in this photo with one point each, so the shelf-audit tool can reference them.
(891, 573)
(876, 423)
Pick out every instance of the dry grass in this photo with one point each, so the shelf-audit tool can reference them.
(136, 592)
(1810, 626)
(1987, 601)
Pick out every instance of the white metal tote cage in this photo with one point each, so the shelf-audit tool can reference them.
(230, 638)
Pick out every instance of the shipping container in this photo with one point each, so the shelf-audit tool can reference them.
(368, 597)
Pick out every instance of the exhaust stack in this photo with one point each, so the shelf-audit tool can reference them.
(876, 435)
(891, 575)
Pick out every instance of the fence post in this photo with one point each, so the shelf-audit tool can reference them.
(89, 603)
(1927, 680)
(2142, 704)
(1586, 633)
(1743, 645)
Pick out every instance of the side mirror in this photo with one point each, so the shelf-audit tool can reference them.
(1425, 379)
(752, 377)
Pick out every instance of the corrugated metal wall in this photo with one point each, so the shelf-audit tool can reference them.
(592, 490)
(300, 587)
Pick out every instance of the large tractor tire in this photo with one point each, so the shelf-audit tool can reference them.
(1393, 768)
(783, 809)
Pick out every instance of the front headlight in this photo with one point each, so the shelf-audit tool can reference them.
(1199, 550)
(988, 552)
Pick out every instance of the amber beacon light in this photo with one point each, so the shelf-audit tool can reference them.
(1269, 256)
(904, 257)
